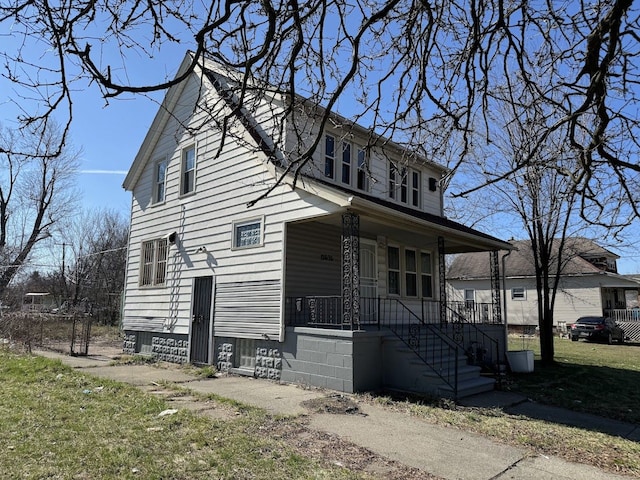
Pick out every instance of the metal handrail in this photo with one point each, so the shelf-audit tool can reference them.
(430, 345)
(473, 340)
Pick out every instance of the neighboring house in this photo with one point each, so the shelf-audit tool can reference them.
(589, 284)
(337, 282)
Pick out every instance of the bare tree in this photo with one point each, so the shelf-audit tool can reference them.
(406, 69)
(95, 260)
(541, 197)
(35, 193)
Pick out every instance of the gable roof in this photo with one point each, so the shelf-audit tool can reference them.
(216, 79)
(464, 236)
(520, 263)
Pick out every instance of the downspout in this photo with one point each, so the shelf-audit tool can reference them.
(504, 295)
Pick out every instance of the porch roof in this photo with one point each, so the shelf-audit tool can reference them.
(388, 219)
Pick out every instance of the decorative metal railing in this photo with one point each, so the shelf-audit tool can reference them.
(481, 349)
(326, 312)
(438, 344)
(470, 312)
(434, 348)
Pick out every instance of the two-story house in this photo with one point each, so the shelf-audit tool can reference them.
(333, 278)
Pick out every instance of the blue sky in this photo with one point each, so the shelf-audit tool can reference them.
(109, 138)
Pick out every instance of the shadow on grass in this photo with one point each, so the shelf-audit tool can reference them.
(598, 390)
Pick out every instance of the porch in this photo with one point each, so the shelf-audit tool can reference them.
(407, 344)
(378, 278)
(628, 319)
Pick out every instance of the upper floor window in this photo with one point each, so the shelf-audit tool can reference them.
(346, 163)
(161, 176)
(415, 188)
(329, 156)
(153, 268)
(362, 180)
(247, 233)
(394, 176)
(405, 185)
(188, 173)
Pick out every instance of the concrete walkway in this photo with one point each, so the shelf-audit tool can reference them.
(446, 452)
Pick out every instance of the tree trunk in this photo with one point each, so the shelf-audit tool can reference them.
(546, 338)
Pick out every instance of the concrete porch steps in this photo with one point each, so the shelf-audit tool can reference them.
(413, 374)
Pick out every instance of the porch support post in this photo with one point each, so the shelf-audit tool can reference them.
(495, 288)
(442, 281)
(351, 269)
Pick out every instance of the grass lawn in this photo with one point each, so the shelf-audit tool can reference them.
(58, 423)
(588, 377)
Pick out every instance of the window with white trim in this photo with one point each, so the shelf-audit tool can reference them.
(426, 275)
(153, 268)
(469, 297)
(329, 156)
(415, 188)
(393, 268)
(346, 163)
(160, 181)
(394, 175)
(405, 185)
(518, 293)
(362, 181)
(410, 273)
(247, 233)
(188, 170)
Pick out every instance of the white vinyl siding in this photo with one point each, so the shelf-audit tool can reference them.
(322, 257)
(223, 188)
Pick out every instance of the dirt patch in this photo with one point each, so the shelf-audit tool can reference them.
(335, 403)
(330, 449)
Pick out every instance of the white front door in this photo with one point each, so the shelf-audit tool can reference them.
(368, 281)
